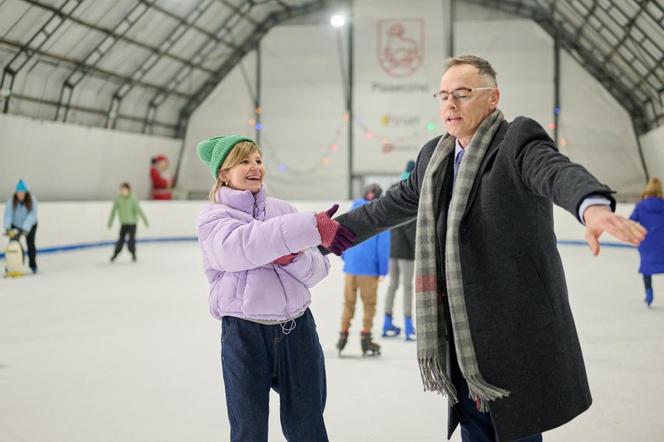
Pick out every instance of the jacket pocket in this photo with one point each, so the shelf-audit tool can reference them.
(226, 293)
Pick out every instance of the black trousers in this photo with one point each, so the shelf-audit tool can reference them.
(30, 240)
(126, 229)
(647, 281)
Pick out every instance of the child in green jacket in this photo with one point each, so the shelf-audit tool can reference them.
(128, 211)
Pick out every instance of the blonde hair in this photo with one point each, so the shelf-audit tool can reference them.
(238, 153)
(653, 188)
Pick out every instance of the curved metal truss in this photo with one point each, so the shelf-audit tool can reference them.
(146, 65)
(620, 42)
(136, 65)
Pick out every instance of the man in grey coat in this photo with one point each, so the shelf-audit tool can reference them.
(495, 329)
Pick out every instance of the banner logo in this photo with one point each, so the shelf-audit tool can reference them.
(400, 46)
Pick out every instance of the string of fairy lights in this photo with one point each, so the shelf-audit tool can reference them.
(328, 150)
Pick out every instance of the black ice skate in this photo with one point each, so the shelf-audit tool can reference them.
(369, 347)
(343, 340)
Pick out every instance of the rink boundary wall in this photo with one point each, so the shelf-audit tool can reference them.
(72, 247)
(68, 226)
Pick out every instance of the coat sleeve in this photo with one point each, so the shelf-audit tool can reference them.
(548, 173)
(635, 214)
(310, 267)
(233, 245)
(31, 219)
(9, 214)
(398, 206)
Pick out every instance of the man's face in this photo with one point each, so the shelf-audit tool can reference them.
(462, 116)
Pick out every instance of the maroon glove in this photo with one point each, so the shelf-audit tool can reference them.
(286, 259)
(334, 236)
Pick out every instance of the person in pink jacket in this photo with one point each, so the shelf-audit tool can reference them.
(260, 257)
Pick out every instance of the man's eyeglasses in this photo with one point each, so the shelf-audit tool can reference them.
(461, 94)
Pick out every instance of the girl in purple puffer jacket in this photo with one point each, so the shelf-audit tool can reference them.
(260, 258)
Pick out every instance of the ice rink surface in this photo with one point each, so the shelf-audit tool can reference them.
(93, 352)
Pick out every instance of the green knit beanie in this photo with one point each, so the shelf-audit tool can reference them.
(213, 151)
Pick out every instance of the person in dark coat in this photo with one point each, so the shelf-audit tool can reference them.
(495, 331)
(401, 269)
(649, 212)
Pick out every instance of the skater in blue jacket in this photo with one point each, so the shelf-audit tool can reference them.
(364, 265)
(649, 212)
(21, 214)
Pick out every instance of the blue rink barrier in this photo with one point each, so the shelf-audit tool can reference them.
(617, 245)
(90, 245)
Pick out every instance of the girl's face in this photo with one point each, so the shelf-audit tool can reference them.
(248, 175)
(124, 191)
(20, 196)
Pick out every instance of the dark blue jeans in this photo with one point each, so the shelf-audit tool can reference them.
(256, 358)
(475, 425)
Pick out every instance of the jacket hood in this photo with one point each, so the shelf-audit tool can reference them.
(653, 204)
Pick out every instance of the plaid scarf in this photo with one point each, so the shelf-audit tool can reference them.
(431, 341)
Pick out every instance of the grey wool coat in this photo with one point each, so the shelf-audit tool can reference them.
(514, 286)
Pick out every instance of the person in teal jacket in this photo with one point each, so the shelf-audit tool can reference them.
(128, 210)
(364, 265)
(21, 214)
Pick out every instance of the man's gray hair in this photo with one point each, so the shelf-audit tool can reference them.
(485, 68)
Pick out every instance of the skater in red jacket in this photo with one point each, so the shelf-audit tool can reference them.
(160, 178)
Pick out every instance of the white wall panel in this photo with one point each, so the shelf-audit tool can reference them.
(399, 51)
(653, 151)
(68, 162)
(597, 132)
(227, 110)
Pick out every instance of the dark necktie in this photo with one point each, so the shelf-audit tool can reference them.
(457, 162)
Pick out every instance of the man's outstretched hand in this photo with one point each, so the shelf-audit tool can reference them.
(600, 219)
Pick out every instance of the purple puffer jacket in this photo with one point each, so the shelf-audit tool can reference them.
(240, 237)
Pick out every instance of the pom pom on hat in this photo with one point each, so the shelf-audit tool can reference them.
(21, 186)
(213, 151)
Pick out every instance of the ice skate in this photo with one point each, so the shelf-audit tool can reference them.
(343, 340)
(389, 329)
(369, 348)
(409, 332)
